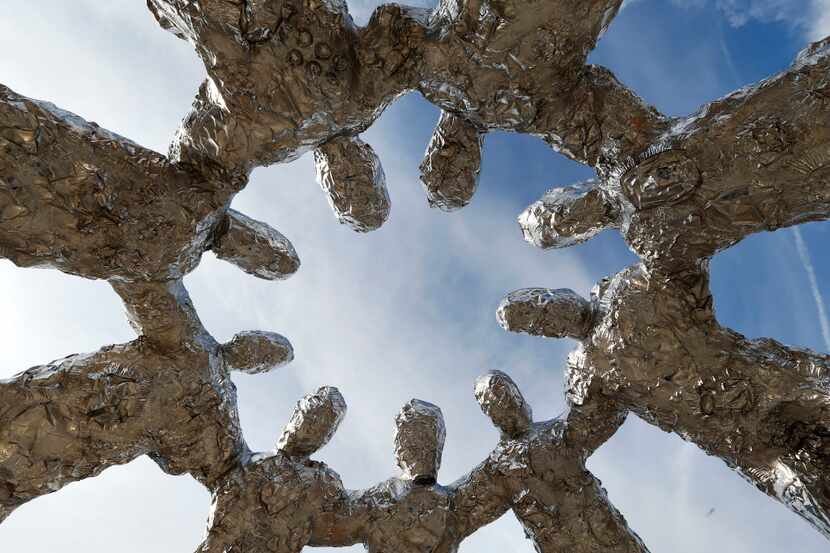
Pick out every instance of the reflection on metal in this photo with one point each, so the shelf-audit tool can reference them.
(286, 77)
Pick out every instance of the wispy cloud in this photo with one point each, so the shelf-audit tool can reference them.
(804, 255)
(819, 20)
(740, 12)
(810, 17)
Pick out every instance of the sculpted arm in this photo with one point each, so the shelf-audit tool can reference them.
(69, 420)
(478, 498)
(590, 425)
(345, 522)
(83, 200)
(599, 120)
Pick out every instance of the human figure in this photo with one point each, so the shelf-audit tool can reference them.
(753, 161)
(167, 394)
(539, 468)
(414, 513)
(287, 77)
(520, 65)
(80, 199)
(406, 513)
(269, 501)
(652, 345)
(511, 65)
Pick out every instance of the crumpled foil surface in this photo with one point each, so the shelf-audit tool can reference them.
(655, 348)
(288, 77)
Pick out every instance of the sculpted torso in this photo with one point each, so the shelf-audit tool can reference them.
(406, 518)
(658, 349)
(268, 504)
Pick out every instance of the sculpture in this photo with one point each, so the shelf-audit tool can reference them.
(750, 162)
(167, 394)
(269, 501)
(653, 346)
(88, 202)
(286, 77)
(538, 468)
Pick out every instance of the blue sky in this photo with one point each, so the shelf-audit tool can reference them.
(408, 311)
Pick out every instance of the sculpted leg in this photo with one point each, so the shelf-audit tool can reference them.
(71, 419)
(584, 521)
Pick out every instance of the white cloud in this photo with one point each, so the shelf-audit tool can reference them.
(820, 20)
(811, 17)
(739, 12)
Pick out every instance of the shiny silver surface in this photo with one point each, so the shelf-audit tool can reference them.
(269, 501)
(452, 163)
(288, 77)
(538, 470)
(350, 174)
(655, 348)
(167, 394)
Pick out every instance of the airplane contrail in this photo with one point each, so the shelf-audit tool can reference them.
(804, 254)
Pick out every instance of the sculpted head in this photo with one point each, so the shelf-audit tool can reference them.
(544, 312)
(419, 441)
(501, 400)
(315, 420)
(256, 352)
(255, 247)
(567, 216)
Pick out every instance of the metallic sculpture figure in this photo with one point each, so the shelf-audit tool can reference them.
(753, 161)
(411, 512)
(269, 501)
(85, 201)
(287, 76)
(654, 347)
(538, 470)
(167, 394)
(407, 513)
(520, 66)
